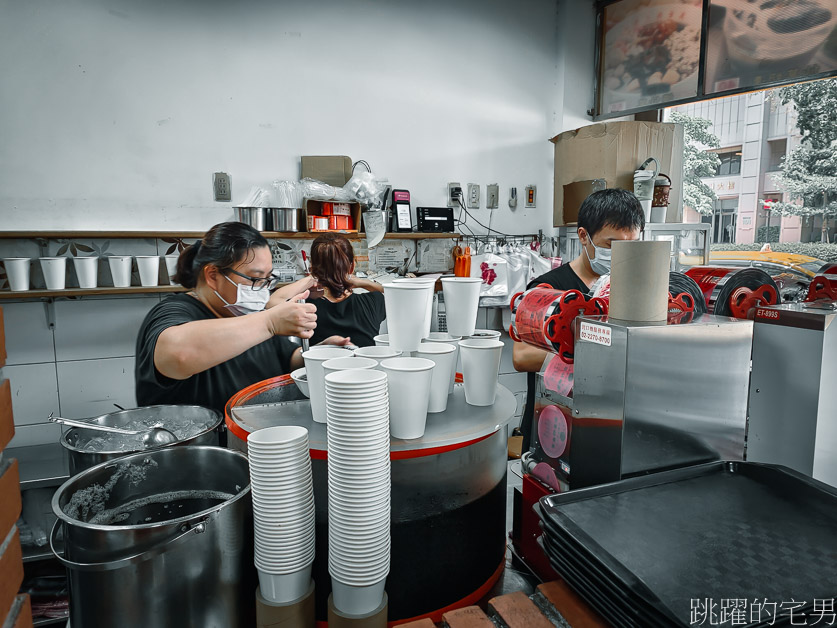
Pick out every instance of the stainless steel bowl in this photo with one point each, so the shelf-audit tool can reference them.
(285, 219)
(256, 217)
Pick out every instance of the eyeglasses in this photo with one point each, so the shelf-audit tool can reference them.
(259, 283)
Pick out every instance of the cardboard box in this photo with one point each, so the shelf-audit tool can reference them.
(10, 500)
(2, 340)
(612, 151)
(334, 170)
(7, 419)
(314, 207)
(11, 568)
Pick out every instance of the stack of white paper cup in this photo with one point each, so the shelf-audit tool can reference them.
(430, 285)
(485, 334)
(149, 269)
(358, 488)
(17, 272)
(377, 353)
(444, 357)
(283, 510)
(462, 300)
(406, 304)
(87, 271)
(171, 267)
(408, 381)
(314, 359)
(344, 364)
(381, 340)
(446, 338)
(480, 369)
(120, 270)
(55, 272)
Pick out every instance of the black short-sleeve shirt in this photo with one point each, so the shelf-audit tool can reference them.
(213, 387)
(561, 278)
(358, 316)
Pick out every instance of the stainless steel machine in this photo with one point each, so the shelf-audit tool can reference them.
(793, 394)
(645, 397)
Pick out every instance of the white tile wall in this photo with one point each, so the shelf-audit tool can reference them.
(102, 328)
(28, 338)
(89, 388)
(34, 391)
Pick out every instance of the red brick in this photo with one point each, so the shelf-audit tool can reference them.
(421, 623)
(468, 617)
(568, 603)
(518, 611)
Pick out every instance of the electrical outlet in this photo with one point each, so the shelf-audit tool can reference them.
(454, 194)
(492, 193)
(473, 196)
(221, 186)
(531, 196)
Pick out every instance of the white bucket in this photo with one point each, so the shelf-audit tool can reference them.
(55, 272)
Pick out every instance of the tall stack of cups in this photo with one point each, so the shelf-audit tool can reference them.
(283, 511)
(358, 488)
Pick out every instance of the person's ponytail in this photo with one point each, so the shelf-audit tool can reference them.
(224, 245)
(186, 275)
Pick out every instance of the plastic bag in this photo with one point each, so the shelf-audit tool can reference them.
(493, 270)
(537, 265)
(366, 188)
(517, 266)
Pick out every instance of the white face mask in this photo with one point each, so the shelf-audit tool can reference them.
(247, 300)
(600, 264)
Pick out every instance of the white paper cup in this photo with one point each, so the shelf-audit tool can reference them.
(444, 337)
(314, 359)
(485, 334)
(120, 270)
(282, 588)
(279, 436)
(17, 272)
(301, 380)
(408, 381)
(55, 272)
(444, 357)
(406, 305)
(462, 299)
(480, 369)
(149, 269)
(377, 353)
(345, 364)
(87, 271)
(357, 600)
(381, 340)
(431, 287)
(171, 267)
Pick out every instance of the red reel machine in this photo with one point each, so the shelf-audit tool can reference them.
(823, 287)
(735, 292)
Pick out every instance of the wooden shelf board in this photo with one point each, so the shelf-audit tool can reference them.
(85, 292)
(271, 235)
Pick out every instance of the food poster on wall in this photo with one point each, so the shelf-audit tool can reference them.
(650, 53)
(759, 42)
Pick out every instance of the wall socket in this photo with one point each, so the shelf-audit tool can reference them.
(454, 193)
(473, 196)
(492, 193)
(221, 186)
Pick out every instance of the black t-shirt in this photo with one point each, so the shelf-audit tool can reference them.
(211, 388)
(561, 278)
(358, 316)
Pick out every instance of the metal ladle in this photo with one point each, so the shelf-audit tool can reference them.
(154, 437)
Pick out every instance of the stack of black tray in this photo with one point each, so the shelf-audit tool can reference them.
(717, 544)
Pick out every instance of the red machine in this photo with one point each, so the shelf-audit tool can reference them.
(823, 287)
(735, 292)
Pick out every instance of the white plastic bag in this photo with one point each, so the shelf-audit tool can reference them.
(494, 272)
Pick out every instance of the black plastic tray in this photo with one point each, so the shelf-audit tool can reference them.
(714, 531)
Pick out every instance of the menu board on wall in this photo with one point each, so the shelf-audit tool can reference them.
(758, 42)
(650, 53)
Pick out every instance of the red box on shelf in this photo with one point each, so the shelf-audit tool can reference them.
(336, 209)
(340, 222)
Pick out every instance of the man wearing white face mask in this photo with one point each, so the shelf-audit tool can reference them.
(603, 217)
(229, 331)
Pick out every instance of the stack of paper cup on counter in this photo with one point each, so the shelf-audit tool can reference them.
(407, 313)
(408, 381)
(344, 364)
(381, 340)
(314, 359)
(429, 285)
(377, 353)
(358, 488)
(443, 356)
(446, 338)
(283, 511)
(480, 369)
(462, 299)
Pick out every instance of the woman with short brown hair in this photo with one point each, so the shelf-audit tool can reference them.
(340, 310)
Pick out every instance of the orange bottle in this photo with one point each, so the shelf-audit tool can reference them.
(466, 271)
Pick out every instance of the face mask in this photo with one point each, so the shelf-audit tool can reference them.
(601, 262)
(247, 300)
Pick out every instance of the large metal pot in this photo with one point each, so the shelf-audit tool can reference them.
(184, 562)
(169, 416)
(285, 219)
(256, 217)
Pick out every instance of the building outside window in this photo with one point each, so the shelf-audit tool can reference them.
(777, 150)
(730, 164)
(723, 220)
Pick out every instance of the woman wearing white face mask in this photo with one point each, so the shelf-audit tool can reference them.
(228, 331)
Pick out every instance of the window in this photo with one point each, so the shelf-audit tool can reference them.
(777, 149)
(723, 220)
(730, 164)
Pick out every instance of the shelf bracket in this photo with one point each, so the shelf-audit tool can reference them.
(49, 311)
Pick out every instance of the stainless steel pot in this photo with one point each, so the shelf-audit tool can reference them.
(169, 417)
(256, 217)
(285, 219)
(186, 562)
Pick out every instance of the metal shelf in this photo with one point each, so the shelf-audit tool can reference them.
(50, 621)
(34, 554)
(40, 466)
